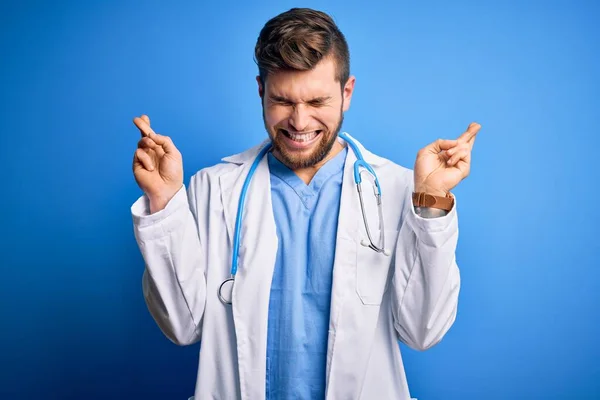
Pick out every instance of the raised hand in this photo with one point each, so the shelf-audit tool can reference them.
(441, 165)
(157, 165)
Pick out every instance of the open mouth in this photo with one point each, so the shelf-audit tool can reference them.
(304, 137)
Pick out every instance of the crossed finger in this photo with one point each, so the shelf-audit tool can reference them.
(164, 142)
(146, 143)
(470, 134)
(143, 124)
(462, 151)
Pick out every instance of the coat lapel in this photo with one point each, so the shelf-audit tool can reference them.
(352, 323)
(258, 250)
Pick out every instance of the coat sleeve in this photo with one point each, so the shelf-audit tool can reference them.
(426, 280)
(174, 278)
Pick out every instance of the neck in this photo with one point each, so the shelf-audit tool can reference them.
(306, 174)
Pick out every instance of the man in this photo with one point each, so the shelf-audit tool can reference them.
(317, 307)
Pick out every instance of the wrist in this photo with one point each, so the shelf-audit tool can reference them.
(431, 191)
(159, 202)
(157, 205)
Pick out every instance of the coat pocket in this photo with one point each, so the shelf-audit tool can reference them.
(373, 270)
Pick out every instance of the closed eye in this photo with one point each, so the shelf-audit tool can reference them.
(319, 101)
(316, 102)
(281, 101)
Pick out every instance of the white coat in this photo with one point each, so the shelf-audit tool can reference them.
(376, 300)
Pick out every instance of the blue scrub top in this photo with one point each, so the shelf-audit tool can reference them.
(306, 217)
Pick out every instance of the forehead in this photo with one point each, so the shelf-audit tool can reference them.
(320, 81)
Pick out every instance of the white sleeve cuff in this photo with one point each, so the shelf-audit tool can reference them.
(429, 230)
(140, 210)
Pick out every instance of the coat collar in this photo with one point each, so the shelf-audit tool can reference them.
(250, 154)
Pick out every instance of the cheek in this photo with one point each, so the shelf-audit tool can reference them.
(276, 116)
(329, 118)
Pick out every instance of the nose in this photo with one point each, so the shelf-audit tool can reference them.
(299, 118)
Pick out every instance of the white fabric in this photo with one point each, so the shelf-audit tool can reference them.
(377, 300)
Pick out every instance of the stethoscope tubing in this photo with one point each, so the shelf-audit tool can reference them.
(360, 162)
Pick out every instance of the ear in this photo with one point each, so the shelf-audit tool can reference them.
(261, 89)
(347, 92)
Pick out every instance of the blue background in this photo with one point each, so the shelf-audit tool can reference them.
(74, 74)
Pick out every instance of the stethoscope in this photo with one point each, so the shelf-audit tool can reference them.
(360, 162)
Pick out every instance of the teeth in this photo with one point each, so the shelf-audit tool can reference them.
(302, 137)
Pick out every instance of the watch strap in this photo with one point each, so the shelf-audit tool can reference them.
(422, 199)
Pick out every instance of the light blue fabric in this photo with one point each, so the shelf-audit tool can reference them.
(306, 217)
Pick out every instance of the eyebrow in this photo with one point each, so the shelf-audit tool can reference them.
(282, 99)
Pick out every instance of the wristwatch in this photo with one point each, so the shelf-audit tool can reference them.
(422, 199)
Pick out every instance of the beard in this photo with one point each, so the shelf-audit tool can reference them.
(296, 160)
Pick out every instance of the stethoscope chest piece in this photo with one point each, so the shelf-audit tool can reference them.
(226, 291)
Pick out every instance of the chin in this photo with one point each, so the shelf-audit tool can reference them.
(303, 151)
